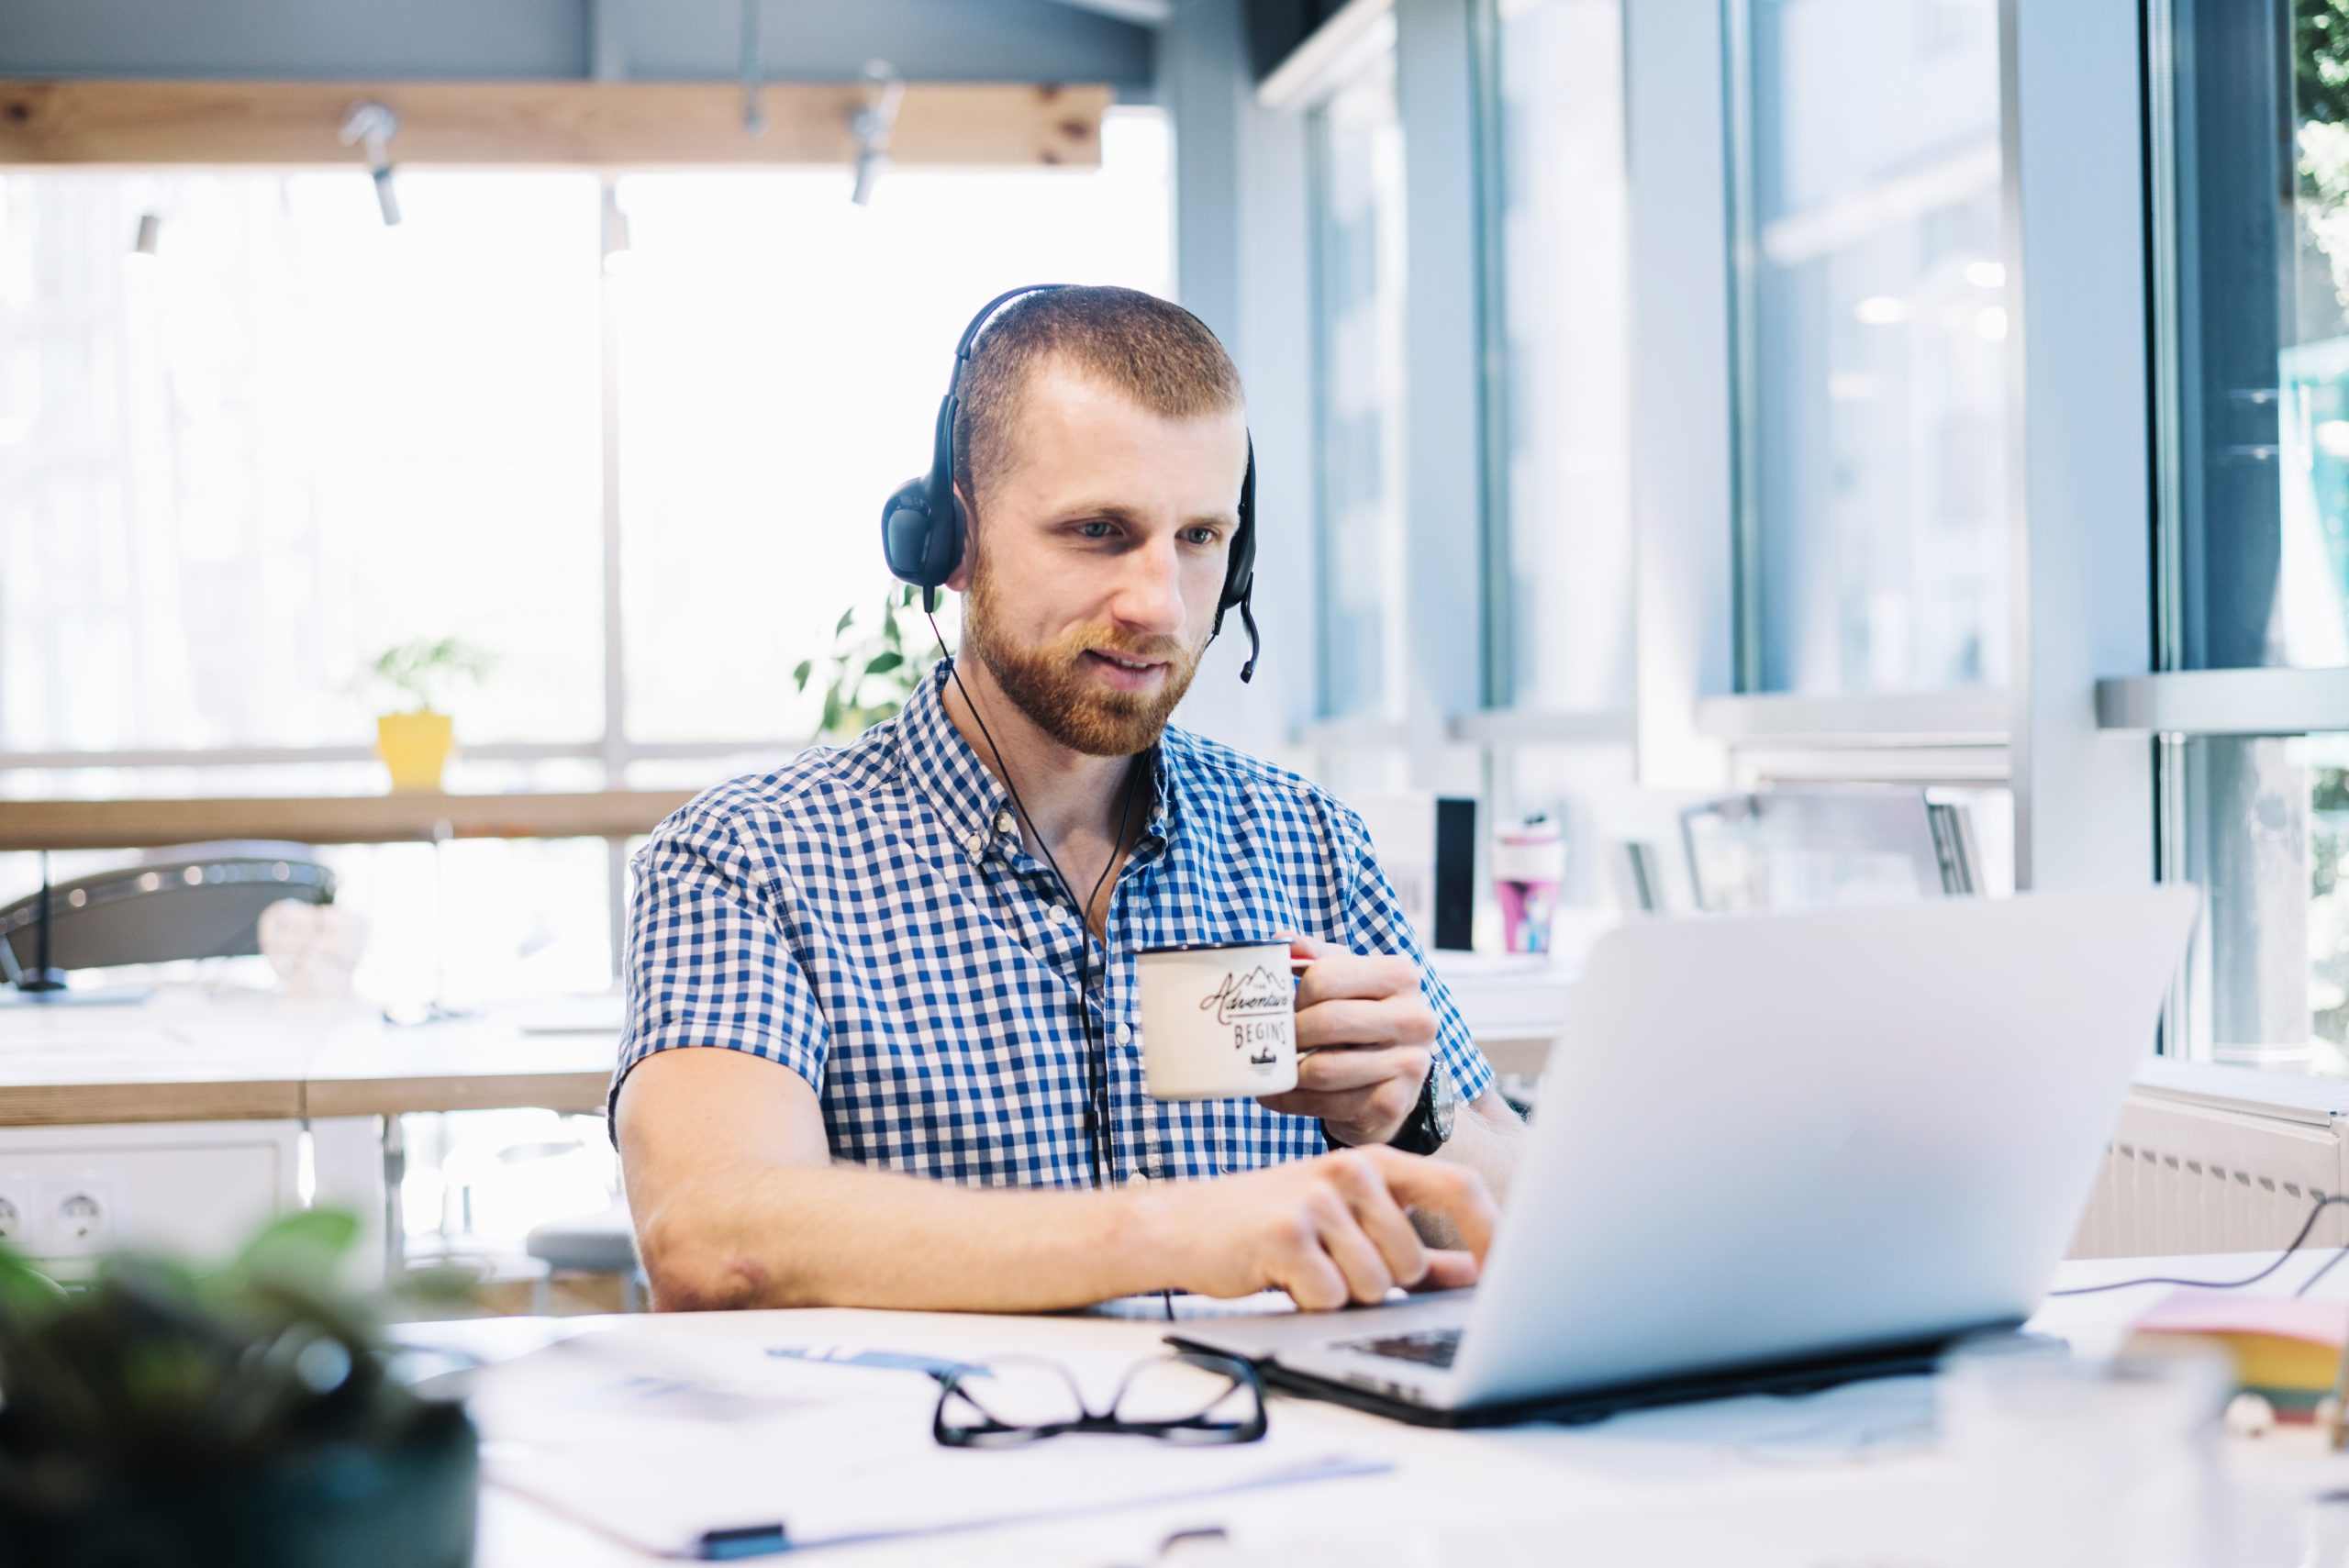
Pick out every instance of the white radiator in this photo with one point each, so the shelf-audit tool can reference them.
(2210, 1159)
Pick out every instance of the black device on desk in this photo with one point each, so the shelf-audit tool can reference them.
(195, 901)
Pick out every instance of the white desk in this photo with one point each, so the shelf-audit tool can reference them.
(1754, 1481)
(182, 1112)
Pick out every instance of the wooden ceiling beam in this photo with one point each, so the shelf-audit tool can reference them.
(526, 125)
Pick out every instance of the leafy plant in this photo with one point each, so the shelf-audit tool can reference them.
(424, 669)
(161, 1377)
(869, 674)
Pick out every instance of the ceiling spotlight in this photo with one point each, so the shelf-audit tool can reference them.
(871, 126)
(150, 229)
(755, 106)
(372, 125)
(617, 243)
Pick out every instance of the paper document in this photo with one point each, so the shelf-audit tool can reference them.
(659, 1442)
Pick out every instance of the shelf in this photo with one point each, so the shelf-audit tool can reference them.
(333, 819)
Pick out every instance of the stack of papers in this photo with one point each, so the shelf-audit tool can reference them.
(685, 1447)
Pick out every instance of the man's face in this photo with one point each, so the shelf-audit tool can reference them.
(1097, 557)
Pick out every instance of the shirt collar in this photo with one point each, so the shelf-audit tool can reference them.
(972, 800)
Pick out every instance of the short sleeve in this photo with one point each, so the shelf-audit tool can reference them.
(708, 962)
(1375, 923)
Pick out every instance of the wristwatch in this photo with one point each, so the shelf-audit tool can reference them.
(1428, 1126)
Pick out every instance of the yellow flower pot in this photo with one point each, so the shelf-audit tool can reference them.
(415, 747)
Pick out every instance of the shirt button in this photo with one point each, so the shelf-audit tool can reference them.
(1139, 1179)
(1002, 821)
(1125, 1035)
(975, 842)
(1062, 916)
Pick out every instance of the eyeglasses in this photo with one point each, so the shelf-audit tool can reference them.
(1192, 1398)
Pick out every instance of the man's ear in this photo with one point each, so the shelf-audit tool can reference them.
(959, 580)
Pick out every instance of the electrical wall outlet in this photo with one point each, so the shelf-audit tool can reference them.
(80, 1213)
(16, 1212)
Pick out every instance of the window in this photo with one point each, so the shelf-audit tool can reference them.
(234, 469)
(1560, 586)
(2253, 546)
(1871, 361)
(1358, 243)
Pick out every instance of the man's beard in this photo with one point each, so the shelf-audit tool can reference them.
(1051, 686)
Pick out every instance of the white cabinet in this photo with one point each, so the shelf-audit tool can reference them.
(198, 1188)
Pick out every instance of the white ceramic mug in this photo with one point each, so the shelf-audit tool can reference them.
(1219, 1021)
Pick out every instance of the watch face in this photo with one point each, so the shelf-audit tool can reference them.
(1442, 1101)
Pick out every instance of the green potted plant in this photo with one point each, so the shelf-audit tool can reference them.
(416, 740)
(869, 674)
(167, 1416)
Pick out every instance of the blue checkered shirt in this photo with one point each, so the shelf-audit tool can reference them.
(867, 918)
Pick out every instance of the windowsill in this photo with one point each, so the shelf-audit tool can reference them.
(336, 819)
(1365, 732)
(1545, 727)
(2292, 1095)
(1967, 716)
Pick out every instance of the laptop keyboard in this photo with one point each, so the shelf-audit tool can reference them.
(1429, 1347)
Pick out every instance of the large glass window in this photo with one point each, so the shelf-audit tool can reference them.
(2254, 538)
(1872, 319)
(238, 459)
(2262, 342)
(235, 466)
(1561, 599)
(1358, 241)
(2266, 833)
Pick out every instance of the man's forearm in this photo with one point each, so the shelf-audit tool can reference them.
(846, 1236)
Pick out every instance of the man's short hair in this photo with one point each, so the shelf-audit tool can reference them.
(1154, 352)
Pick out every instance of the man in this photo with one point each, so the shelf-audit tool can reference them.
(856, 1070)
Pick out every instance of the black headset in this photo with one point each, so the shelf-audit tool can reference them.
(923, 527)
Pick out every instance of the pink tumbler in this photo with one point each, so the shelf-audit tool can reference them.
(1529, 864)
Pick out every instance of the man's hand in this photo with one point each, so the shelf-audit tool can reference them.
(1371, 1036)
(1328, 1230)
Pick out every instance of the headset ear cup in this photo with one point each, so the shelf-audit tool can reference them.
(906, 533)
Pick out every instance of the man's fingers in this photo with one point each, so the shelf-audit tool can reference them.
(1336, 975)
(1398, 1020)
(1381, 1218)
(1454, 1190)
(1313, 1282)
(1346, 1108)
(1367, 1277)
(1449, 1270)
(1336, 1070)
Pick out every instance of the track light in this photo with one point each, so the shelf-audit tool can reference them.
(617, 243)
(150, 229)
(372, 125)
(871, 126)
(754, 107)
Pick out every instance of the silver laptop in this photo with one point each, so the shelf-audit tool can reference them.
(1775, 1150)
